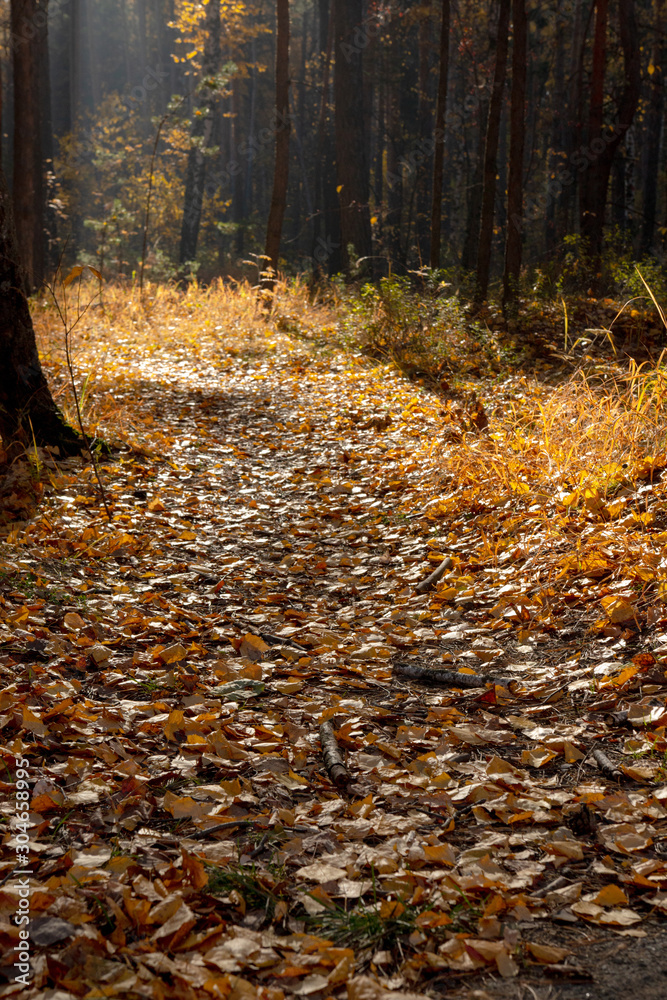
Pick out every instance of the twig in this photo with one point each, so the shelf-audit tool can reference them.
(230, 825)
(606, 766)
(333, 759)
(76, 272)
(444, 678)
(431, 580)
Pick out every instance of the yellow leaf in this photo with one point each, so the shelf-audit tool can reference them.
(546, 953)
(252, 647)
(538, 757)
(175, 722)
(611, 895)
(74, 273)
(73, 621)
(618, 609)
(33, 723)
(173, 653)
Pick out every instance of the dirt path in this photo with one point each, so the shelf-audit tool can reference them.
(165, 676)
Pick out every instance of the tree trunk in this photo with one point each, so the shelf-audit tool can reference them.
(513, 243)
(351, 158)
(282, 131)
(651, 150)
(439, 137)
(27, 410)
(605, 147)
(28, 191)
(424, 115)
(201, 135)
(75, 64)
(589, 191)
(491, 152)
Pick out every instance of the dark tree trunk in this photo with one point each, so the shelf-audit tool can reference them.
(555, 154)
(474, 200)
(513, 243)
(589, 197)
(237, 185)
(28, 189)
(395, 192)
(351, 158)
(201, 135)
(651, 151)
(491, 152)
(27, 409)
(605, 147)
(565, 221)
(75, 64)
(282, 130)
(439, 137)
(424, 114)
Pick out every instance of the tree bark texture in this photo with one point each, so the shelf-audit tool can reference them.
(351, 159)
(651, 146)
(491, 152)
(28, 188)
(201, 136)
(439, 137)
(282, 131)
(27, 410)
(513, 243)
(603, 144)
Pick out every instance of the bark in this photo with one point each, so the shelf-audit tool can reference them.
(27, 410)
(568, 200)
(319, 242)
(424, 113)
(491, 152)
(201, 136)
(395, 186)
(282, 131)
(594, 188)
(351, 158)
(513, 243)
(474, 200)
(651, 151)
(28, 188)
(439, 136)
(589, 194)
(554, 155)
(75, 63)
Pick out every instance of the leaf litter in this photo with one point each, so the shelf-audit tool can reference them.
(264, 760)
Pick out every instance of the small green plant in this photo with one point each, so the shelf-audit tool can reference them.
(378, 925)
(260, 890)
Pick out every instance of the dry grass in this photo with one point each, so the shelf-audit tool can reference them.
(118, 333)
(587, 432)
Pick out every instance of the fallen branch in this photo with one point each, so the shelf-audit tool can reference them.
(606, 766)
(333, 759)
(431, 580)
(444, 678)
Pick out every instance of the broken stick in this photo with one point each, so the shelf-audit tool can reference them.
(606, 766)
(333, 758)
(431, 580)
(444, 678)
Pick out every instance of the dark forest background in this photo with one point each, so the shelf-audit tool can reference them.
(140, 135)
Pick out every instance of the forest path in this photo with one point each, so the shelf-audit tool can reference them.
(166, 674)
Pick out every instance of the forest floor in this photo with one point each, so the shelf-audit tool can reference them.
(275, 502)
